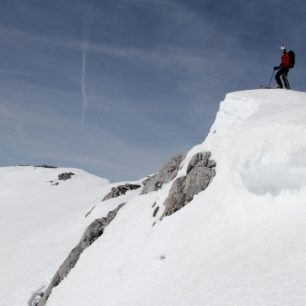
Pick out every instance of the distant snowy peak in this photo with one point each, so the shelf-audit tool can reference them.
(48, 172)
(42, 216)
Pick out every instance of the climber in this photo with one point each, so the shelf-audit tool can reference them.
(287, 62)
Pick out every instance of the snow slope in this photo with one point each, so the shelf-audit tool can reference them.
(239, 242)
(40, 223)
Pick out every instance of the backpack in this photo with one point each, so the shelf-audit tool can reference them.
(291, 58)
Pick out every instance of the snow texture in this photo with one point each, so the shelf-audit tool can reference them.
(41, 223)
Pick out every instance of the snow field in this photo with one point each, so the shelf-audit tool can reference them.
(240, 242)
(41, 223)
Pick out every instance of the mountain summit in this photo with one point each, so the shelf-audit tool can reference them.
(222, 225)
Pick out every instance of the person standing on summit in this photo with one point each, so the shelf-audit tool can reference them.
(283, 69)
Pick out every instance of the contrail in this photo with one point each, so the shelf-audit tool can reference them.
(85, 104)
(83, 81)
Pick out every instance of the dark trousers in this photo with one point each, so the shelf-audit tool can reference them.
(282, 73)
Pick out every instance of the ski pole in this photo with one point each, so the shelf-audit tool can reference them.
(271, 78)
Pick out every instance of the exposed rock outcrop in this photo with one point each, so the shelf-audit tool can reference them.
(155, 211)
(65, 176)
(36, 296)
(167, 173)
(92, 233)
(120, 190)
(90, 211)
(38, 166)
(45, 166)
(200, 172)
(62, 177)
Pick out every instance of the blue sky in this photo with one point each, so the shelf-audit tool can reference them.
(117, 87)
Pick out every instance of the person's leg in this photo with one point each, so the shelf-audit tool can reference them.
(277, 78)
(285, 79)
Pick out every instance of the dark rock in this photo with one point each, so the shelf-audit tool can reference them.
(167, 173)
(211, 163)
(176, 197)
(38, 166)
(199, 174)
(36, 296)
(45, 166)
(155, 211)
(90, 211)
(120, 190)
(199, 177)
(199, 159)
(91, 234)
(162, 257)
(65, 176)
(62, 177)
(54, 183)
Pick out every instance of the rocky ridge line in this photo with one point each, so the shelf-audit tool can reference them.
(166, 174)
(120, 190)
(200, 172)
(91, 234)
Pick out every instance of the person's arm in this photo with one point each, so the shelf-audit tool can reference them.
(280, 65)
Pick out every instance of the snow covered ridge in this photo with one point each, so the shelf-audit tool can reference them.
(199, 174)
(44, 211)
(268, 146)
(93, 232)
(238, 241)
